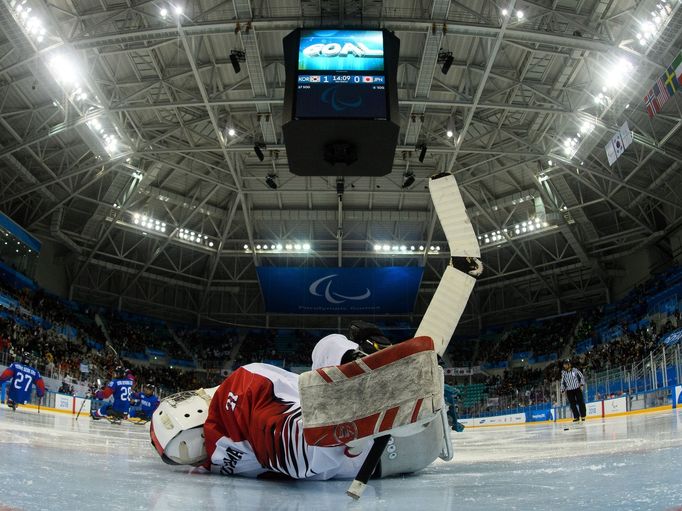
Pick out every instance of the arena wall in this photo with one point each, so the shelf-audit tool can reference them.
(607, 408)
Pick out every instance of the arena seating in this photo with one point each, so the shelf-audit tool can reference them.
(62, 335)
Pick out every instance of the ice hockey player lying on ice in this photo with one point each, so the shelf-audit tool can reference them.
(320, 425)
(253, 425)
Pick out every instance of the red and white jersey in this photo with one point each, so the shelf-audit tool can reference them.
(254, 426)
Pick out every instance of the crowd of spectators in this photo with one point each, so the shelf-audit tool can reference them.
(632, 347)
(138, 336)
(36, 329)
(303, 347)
(39, 325)
(211, 347)
(525, 386)
(538, 338)
(258, 345)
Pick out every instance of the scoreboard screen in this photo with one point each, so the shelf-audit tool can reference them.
(340, 115)
(341, 75)
(341, 50)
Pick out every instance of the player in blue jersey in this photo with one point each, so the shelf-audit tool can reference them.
(22, 376)
(143, 403)
(120, 387)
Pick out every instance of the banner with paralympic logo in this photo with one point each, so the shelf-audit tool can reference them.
(389, 290)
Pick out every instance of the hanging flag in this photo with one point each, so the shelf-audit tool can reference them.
(652, 106)
(661, 91)
(625, 135)
(614, 148)
(677, 66)
(670, 81)
(618, 143)
(666, 85)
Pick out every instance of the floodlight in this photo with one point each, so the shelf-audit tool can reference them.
(64, 69)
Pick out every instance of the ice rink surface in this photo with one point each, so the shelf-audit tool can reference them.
(52, 462)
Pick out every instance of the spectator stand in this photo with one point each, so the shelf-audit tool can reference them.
(212, 348)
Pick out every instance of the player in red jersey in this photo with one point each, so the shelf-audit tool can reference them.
(252, 426)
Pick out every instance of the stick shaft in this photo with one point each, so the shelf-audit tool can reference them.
(81, 408)
(368, 467)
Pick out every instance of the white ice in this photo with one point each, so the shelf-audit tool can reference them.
(52, 462)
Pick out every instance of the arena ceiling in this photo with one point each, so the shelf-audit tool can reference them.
(155, 77)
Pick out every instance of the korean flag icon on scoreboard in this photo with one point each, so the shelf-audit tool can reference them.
(315, 78)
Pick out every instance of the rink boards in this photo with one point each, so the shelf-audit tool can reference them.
(595, 410)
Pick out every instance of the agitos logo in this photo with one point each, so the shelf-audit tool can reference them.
(337, 50)
(331, 296)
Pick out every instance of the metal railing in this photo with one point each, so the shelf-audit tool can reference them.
(656, 373)
(660, 369)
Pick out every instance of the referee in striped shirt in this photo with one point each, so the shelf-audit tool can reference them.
(572, 382)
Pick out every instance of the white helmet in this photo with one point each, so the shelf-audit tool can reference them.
(177, 427)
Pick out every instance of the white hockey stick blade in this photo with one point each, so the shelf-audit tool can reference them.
(452, 214)
(356, 489)
(446, 307)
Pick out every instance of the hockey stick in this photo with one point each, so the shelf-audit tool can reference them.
(40, 399)
(111, 347)
(357, 487)
(139, 422)
(81, 408)
(453, 291)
